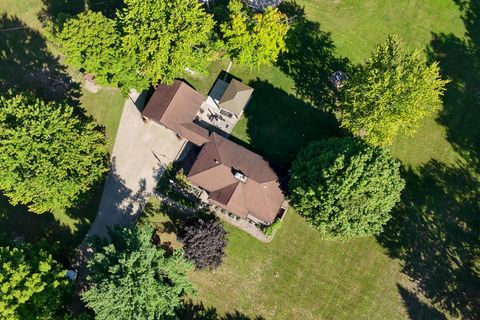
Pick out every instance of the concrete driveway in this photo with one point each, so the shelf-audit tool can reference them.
(140, 154)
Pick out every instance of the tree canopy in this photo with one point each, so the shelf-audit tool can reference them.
(32, 284)
(149, 41)
(345, 188)
(163, 38)
(48, 156)
(91, 41)
(130, 278)
(254, 39)
(390, 93)
(204, 242)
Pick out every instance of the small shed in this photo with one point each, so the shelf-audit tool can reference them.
(236, 97)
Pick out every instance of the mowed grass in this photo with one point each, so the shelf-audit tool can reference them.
(291, 277)
(356, 25)
(300, 276)
(29, 63)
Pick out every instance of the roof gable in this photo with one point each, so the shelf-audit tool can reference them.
(235, 97)
(214, 170)
(173, 105)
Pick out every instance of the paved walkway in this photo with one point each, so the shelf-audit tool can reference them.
(140, 154)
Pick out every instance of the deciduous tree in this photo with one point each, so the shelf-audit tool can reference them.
(32, 284)
(132, 279)
(48, 156)
(345, 188)
(91, 42)
(165, 37)
(390, 93)
(204, 242)
(254, 39)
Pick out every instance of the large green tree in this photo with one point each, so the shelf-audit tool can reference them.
(32, 284)
(344, 187)
(131, 278)
(164, 37)
(254, 39)
(48, 156)
(390, 93)
(149, 41)
(91, 42)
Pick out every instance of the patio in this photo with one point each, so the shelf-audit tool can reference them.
(210, 115)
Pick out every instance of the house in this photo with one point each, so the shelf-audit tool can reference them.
(233, 177)
(175, 107)
(238, 180)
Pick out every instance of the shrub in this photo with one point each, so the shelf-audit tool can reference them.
(345, 188)
(204, 242)
(271, 229)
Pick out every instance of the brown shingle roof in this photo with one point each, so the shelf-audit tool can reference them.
(194, 133)
(173, 105)
(215, 168)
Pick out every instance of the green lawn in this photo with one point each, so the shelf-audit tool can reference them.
(431, 238)
(30, 63)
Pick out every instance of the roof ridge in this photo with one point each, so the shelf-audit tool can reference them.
(173, 95)
(214, 134)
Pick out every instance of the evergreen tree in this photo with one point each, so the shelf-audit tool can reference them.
(48, 156)
(132, 279)
(345, 188)
(391, 93)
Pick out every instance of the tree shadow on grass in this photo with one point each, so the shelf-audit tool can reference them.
(311, 58)
(17, 223)
(435, 231)
(26, 64)
(459, 61)
(417, 309)
(57, 11)
(192, 311)
(279, 124)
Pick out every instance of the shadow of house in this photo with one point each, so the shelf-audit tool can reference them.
(311, 58)
(417, 309)
(435, 232)
(26, 64)
(279, 124)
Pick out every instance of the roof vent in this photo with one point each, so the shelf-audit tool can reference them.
(240, 176)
